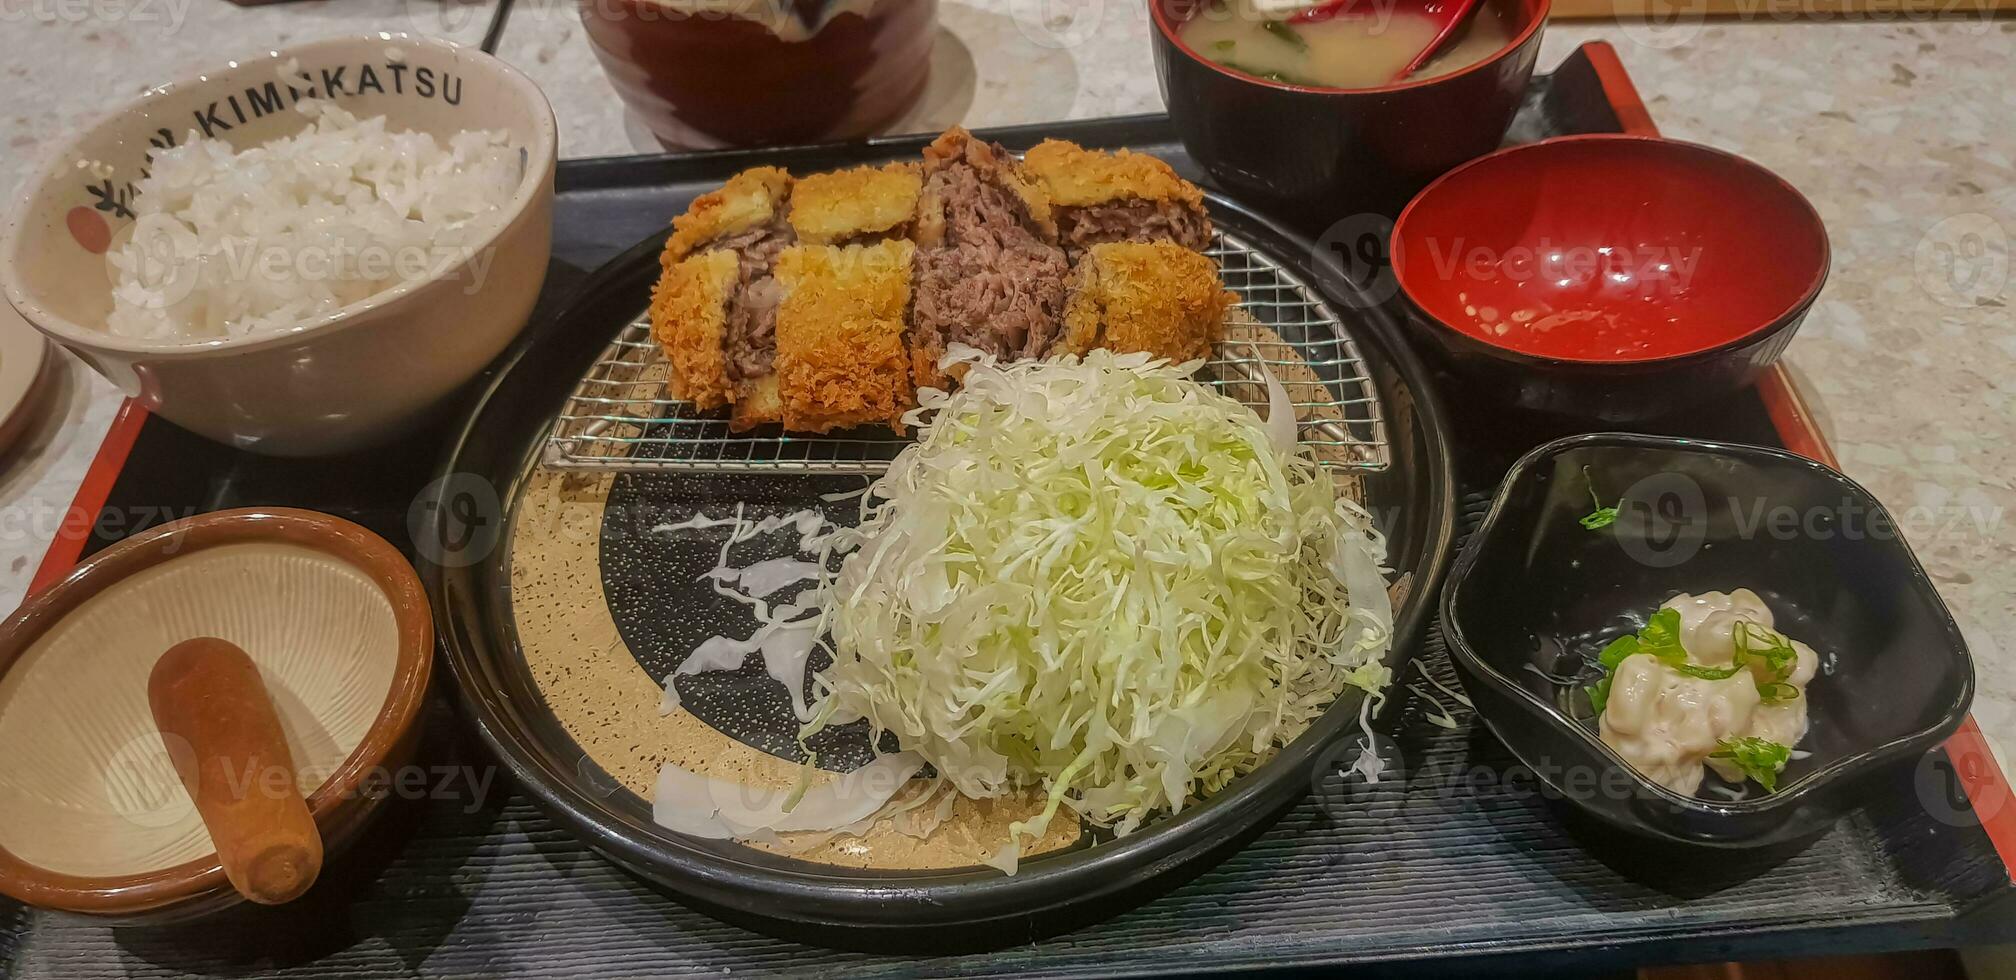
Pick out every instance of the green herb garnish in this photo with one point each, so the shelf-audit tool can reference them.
(1775, 691)
(1603, 516)
(1775, 650)
(1760, 759)
(1280, 29)
(1780, 660)
(1709, 673)
(1616, 650)
(1224, 45)
(1272, 76)
(1660, 638)
(1613, 654)
(1599, 694)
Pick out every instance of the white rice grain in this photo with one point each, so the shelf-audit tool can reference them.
(229, 243)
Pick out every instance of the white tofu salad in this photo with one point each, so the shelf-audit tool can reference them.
(1709, 683)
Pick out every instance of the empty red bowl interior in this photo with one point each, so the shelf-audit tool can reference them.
(1610, 248)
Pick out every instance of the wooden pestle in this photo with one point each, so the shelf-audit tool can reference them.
(225, 739)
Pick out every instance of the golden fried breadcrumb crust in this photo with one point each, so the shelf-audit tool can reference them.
(925, 371)
(1073, 176)
(925, 353)
(1157, 297)
(689, 318)
(831, 207)
(927, 228)
(750, 198)
(1084, 310)
(840, 355)
(956, 144)
(756, 403)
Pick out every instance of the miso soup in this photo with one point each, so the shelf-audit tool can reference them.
(1362, 46)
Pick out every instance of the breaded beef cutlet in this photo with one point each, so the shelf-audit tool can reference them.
(859, 206)
(689, 319)
(749, 200)
(1157, 297)
(695, 309)
(841, 360)
(824, 302)
(989, 272)
(1116, 197)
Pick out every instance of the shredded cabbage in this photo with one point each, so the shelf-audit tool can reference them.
(1100, 578)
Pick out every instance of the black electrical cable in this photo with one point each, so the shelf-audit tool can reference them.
(498, 19)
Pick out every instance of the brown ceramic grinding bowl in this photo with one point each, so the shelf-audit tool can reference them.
(93, 819)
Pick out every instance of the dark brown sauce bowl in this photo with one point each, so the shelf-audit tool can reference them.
(1323, 154)
(712, 81)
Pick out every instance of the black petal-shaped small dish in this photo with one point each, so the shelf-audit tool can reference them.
(1535, 595)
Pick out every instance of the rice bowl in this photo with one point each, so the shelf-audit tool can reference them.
(330, 383)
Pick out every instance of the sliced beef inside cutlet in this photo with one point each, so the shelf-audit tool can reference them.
(713, 309)
(752, 307)
(991, 277)
(1136, 220)
(1123, 196)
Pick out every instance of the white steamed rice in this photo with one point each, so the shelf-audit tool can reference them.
(229, 243)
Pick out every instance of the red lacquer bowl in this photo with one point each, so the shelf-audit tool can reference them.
(1609, 277)
(706, 79)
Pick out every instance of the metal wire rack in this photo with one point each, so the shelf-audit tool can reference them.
(622, 415)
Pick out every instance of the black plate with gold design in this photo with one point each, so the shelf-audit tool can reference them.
(561, 634)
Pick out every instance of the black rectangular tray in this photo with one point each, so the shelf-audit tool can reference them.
(1461, 867)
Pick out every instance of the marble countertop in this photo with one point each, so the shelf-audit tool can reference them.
(1898, 129)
